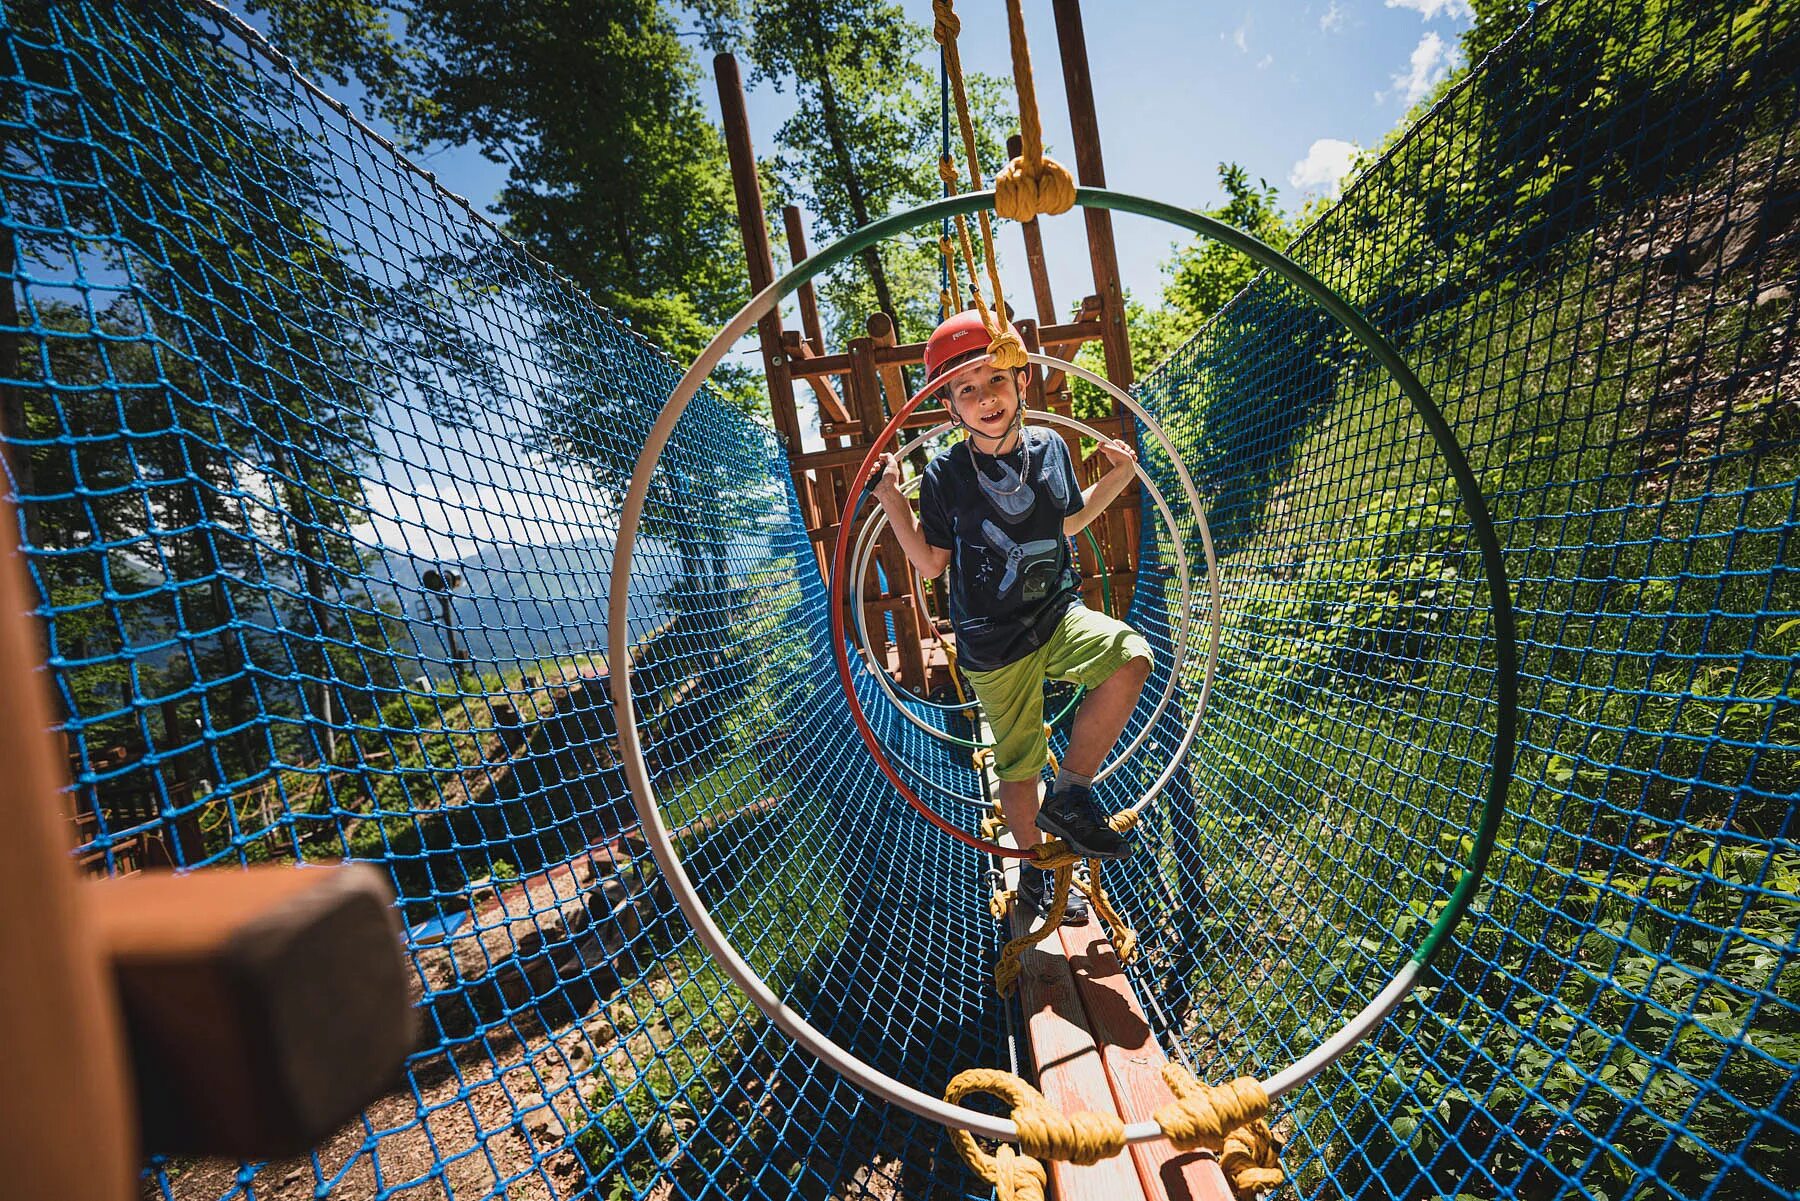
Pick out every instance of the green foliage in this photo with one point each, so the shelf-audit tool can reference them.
(1200, 279)
(615, 175)
(1621, 1010)
(863, 144)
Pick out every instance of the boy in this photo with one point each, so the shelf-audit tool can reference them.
(999, 508)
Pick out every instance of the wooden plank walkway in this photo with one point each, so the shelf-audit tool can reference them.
(1094, 1049)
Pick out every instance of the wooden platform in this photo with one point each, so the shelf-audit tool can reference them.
(1094, 1049)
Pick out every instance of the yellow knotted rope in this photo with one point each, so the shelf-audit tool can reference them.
(1230, 1120)
(1053, 855)
(1004, 343)
(1043, 1134)
(949, 298)
(1031, 184)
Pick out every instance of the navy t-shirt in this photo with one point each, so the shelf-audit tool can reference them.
(1001, 519)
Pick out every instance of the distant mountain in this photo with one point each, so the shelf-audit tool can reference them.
(522, 601)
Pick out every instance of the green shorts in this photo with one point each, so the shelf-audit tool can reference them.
(1086, 649)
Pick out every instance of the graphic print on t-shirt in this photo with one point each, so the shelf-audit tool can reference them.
(1011, 496)
(1002, 517)
(1038, 563)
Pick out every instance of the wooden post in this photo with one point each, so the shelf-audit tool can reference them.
(893, 380)
(757, 255)
(865, 389)
(831, 406)
(809, 299)
(70, 1129)
(1091, 172)
(1034, 253)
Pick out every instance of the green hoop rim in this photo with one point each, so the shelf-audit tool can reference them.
(1468, 487)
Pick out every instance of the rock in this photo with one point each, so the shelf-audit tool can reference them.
(1773, 294)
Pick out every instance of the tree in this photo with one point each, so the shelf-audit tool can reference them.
(615, 175)
(864, 141)
(189, 434)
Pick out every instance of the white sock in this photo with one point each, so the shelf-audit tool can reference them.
(1065, 778)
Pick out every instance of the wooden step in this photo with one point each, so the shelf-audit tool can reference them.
(1070, 1065)
(1133, 1060)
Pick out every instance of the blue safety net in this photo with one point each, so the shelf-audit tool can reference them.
(318, 479)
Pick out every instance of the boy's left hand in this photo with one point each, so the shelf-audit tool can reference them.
(1118, 452)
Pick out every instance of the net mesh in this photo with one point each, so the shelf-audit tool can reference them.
(318, 481)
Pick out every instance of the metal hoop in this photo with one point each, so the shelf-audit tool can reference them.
(1185, 615)
(637, 771)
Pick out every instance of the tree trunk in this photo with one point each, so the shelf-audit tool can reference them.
(12, 397)
(859, 205)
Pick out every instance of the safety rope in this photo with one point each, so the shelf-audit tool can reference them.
(1229, 1120)
(1031, 184)
(1004, 344)
(1054, 856)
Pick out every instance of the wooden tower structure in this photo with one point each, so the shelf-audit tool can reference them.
(1088, 1032)
(856, 388)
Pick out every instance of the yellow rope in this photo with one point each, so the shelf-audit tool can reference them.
(1053, 855)
(1030, 184)
(1043, 1134)
(1004, 344)
(1230, 1120)
(950, 298)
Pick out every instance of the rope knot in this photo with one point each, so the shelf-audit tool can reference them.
(1006, 347)
(945, 24)
(1230, 1120)
(1083, 1138)
(1023, 189)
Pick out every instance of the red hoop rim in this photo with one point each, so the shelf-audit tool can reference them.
(840, 551)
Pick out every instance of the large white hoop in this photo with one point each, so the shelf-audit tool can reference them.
(637, 771)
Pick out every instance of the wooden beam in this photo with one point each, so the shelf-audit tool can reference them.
(266, 1006)
(1090, 171)
(1133, 1060)
(865, 389)
(1071, 1072)
(758, 257)
(907, 353)
(1034, 253)
(831, 406)
(70, 1131)
(809, 299)
(893, 379)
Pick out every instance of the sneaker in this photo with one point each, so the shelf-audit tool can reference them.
(1035, 896)
(1074, 816)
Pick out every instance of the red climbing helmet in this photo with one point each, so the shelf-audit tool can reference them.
(954, 338)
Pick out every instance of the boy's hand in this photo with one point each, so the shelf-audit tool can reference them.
(887, 480)
(1118, 452)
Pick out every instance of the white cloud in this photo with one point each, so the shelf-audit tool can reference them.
(1241, 37)
(1431, 10)
(1324, 166)
(1431, 61)
(1265, 61)
(1333, 20)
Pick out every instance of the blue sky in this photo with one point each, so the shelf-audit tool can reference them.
(1288, 89)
